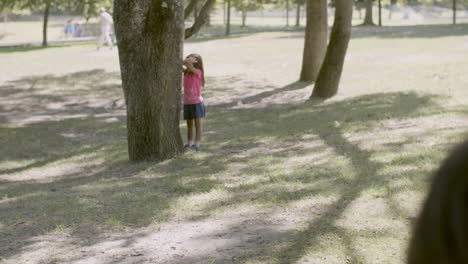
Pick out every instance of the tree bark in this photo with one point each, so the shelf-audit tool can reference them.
(330, 73)
(228, 18)
(46, 20)
(368, 20)
(224, 12)
(150, 34)
(315, 40)
(298, 15)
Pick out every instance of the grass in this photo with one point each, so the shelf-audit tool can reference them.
(280, 179)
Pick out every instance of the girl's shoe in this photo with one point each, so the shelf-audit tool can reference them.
(187, 146)
(195, 148)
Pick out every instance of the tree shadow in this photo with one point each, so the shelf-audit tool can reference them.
(290, 120)
(96, 191)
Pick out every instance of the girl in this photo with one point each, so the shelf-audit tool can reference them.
(194, 109)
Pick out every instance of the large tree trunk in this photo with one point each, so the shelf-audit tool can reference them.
(228, 18)
(368, 21)
(315, 41)
(330, 72)
(298, 15)
(380, 13)
(46, 20)
(150, 34)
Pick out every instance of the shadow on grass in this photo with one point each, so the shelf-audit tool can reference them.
(72, 173)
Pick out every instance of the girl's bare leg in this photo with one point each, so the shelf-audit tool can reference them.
(198, 133)
(190, 127)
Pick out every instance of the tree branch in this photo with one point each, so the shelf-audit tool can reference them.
(190, 8)
(201, 19)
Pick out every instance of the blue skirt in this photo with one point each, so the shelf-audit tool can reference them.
(192, 111)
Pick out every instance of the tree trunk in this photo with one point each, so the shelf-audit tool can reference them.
(315, 40)
(150, 36)
(244, 16)
(368, 21)
(228, 18)
(224, 12)
(287, 13)
(454, 5)
(298, 15)
(330, 73)
(380, 13)
(46, 20)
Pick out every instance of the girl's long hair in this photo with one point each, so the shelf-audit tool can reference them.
(199, 65)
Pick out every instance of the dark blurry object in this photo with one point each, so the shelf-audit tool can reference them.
(441, 232)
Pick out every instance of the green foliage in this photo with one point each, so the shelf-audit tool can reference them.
(87, 8)
(90, 8)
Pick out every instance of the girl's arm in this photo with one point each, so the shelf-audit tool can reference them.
(189, 66)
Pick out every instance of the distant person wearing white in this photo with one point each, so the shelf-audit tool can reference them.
(105, 19)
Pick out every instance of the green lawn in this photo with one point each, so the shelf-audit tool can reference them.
(280, 179)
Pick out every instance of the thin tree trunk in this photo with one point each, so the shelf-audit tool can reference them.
(228, 19)
(298, 15)
(224, 12)
(328, 79)
(150, 36)
(287, 13)
(315, 40)
(454, 4)
(46, 20)
(244, 16)
(368, 21)
(380, 13)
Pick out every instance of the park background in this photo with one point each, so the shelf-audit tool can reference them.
(281, 179)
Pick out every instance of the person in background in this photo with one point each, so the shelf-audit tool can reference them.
(105, 20)
(67, 29)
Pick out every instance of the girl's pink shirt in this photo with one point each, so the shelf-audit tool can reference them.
(192, 87)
